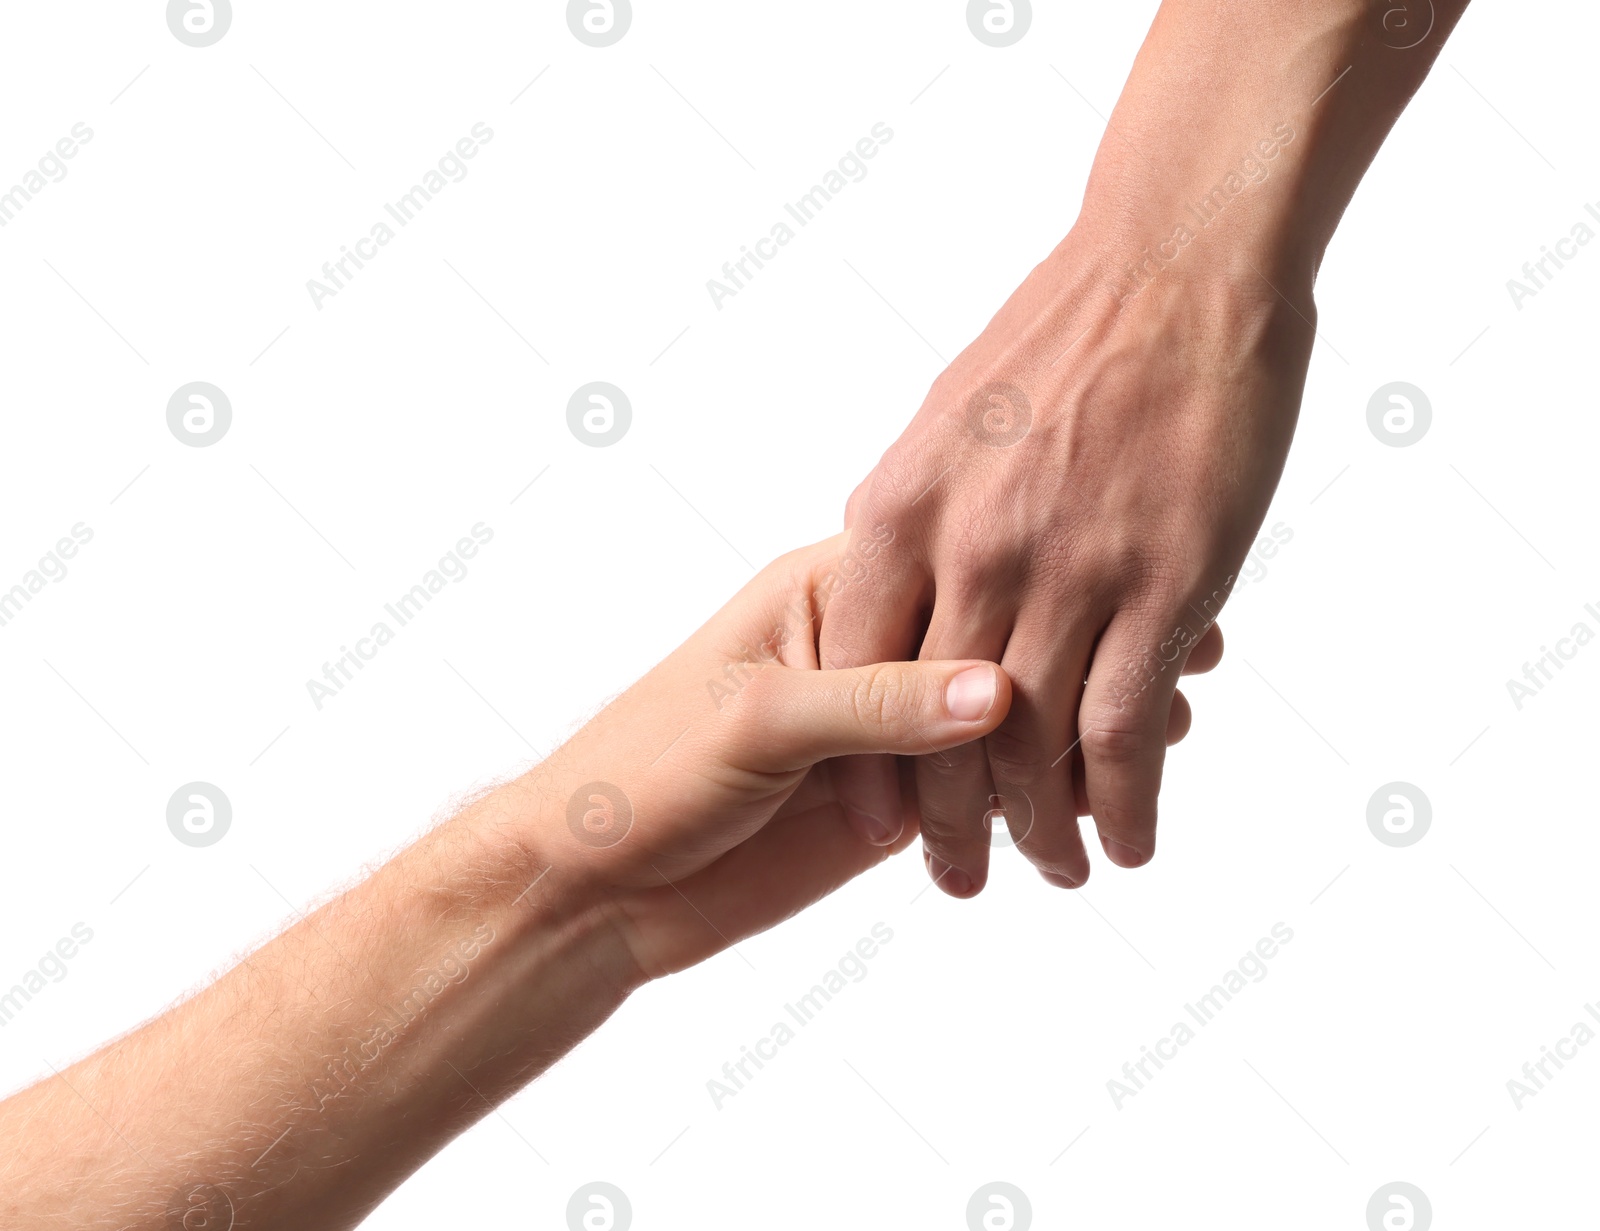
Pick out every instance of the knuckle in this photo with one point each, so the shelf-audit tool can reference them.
(1015, 757)
(940, 774)
(1116, 742)
(1155, 587)
(975, 567)
(951, 819)
(1146, 565)
(874, 697)
(894, 484)
(782, 569)
(948, 833)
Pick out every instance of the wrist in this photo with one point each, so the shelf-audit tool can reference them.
(613, 930)
(1227, 220)
(1255, 167)
(549, 901)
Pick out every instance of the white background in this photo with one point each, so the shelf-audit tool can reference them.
(979, 1045)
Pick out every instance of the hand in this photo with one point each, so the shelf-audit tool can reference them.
(1080, 486)
(702, 806)
(305, 1084)
(1072, 501)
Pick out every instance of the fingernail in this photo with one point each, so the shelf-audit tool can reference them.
(1123, 856)
(951, 879)
(1059, 881)
(970, 695)
(873, 828)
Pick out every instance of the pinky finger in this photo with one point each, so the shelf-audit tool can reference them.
(1179, 718)
(1206, 654)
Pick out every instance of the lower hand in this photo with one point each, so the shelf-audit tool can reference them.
(703, 805)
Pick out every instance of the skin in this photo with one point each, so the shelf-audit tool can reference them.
(305, 1084)
(1079, 489)
(302, 1087)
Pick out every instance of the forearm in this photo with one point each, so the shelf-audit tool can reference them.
(1290, 100)
(306, 1083)
(695, 810)
(1238, 141)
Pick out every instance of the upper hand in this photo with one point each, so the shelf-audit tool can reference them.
(1072, 501)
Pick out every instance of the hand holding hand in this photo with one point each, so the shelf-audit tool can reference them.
(1072, 501)
(702, 805)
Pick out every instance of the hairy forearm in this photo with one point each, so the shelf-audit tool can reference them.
(695, 810)
(306, 1083)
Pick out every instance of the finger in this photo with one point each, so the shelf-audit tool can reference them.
(772, 875)
(820, 787)
(1207, 652)
(790, 720)
(954, 791)
(1030, 755)
(1178, 718)
(874, 617)
(1122, 724)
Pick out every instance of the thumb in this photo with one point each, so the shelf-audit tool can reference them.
(797, 718)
